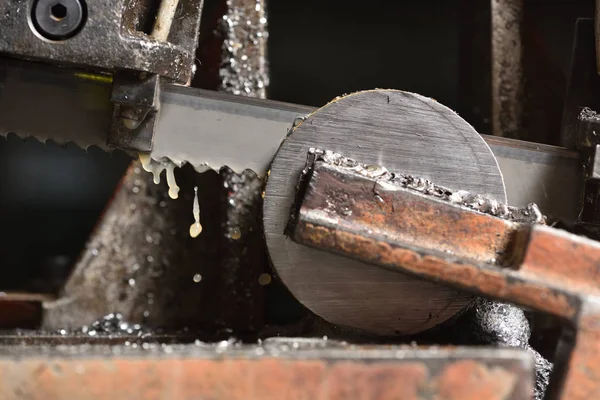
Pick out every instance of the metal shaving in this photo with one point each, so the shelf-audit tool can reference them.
(111, 324)
(589, 115)
(244, 69)
(505, 324)
(476, 202)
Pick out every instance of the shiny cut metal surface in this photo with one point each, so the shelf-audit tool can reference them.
(405, 132)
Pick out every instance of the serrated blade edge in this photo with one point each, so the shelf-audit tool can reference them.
(212, 129)
(53, 105)
(206, 129)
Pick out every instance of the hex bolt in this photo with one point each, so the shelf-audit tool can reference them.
(58, 19)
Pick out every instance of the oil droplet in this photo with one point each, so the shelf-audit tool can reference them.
(130, 124)
(150, 166)
(196, 228)
(197, 278)
(173, 188)
(235, 233)
(156, 168)
(264, 279)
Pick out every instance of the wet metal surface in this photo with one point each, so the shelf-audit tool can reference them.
(142, 263)
(157, 274)
(139, 261)
(287, 368)
(535, 266)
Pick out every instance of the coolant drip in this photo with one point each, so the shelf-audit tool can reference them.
(196, 228)
(156, 168)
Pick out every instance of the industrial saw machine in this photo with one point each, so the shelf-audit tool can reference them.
(376, 247)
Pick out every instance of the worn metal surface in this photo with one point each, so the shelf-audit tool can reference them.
(136, 99)
(141, 262)
(107, 41)
(510, 82)
(241, 246)
(545, 175)
(404, 130)
(244, 69)
(290, 368)
(535, 266)
(507, 68)
(506, 325)
(589, 124)
(58, 20)
(228, 258)
(584, 85)
(205, 128)
(242, 251)
(211, 129)
(580, 125)
(164, 19)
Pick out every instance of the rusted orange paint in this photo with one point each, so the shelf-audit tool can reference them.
(539, 267)
(554, 256)
(470, 380)
(239, 378)
(351, 381)
(583, 377)
(489, 281)
(414, 220)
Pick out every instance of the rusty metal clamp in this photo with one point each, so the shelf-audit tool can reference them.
(412, 226)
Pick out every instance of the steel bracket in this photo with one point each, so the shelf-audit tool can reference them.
(409, 225)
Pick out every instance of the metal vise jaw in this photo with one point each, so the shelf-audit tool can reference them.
(133, 40)
(412, 226)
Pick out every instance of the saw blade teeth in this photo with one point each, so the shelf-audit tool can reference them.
(198, 167)
(65, 144)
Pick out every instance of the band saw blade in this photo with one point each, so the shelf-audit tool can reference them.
(406, 133)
